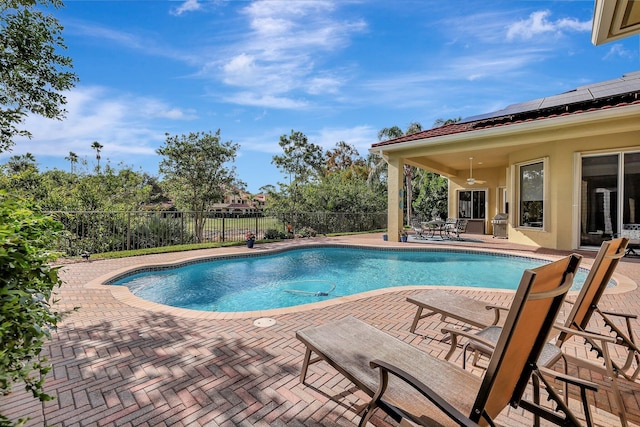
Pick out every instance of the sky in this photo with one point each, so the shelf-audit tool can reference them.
(335, 70)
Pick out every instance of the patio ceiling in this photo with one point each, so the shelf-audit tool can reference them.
(453, 161)
(615, 19)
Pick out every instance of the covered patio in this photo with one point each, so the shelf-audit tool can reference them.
(565, 167)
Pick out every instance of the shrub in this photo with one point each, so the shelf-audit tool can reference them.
(307, 232)
(26, 290)
(273, 234)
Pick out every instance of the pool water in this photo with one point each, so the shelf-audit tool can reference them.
(303, 276)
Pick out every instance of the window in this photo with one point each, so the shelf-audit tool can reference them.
(471, 204)
(531, 202)
(609, 196)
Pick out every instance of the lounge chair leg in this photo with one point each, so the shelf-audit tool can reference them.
(367, 414)
(305, 365)
(614, 385)
(415, 320)
(454, 345)
(536, 398)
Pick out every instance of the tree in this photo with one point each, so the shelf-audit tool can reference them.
(21, 163)
(98, 147)
(441, 122)
(27, 282)
(343, 157)
(195, 172)
(301, 160)
(73, 159)
(33, 74)
(432, 194)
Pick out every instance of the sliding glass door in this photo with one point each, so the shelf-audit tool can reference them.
(610, 196)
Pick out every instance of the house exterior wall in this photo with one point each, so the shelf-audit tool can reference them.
(562, 214)
(558, 141)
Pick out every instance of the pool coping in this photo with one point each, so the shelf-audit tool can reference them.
(124, 295)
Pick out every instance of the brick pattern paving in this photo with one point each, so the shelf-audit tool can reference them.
(119, 364)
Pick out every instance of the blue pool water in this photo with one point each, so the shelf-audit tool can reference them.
(303, 276)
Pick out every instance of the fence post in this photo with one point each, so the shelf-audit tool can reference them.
(128, 230)
(222, 232)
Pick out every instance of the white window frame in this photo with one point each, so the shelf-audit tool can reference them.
(545, 192)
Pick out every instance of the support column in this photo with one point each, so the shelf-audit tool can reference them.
(395, 198)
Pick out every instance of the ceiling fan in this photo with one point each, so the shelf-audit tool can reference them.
(471, 180)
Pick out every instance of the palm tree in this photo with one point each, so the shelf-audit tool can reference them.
(21, 163)
(392, 133)
(97, 146)
(72, 158)
(442, 122)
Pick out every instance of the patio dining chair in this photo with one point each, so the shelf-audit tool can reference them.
(416, 225)
(455, 228)
(429, 391)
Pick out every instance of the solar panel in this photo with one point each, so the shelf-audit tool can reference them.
(627, 83)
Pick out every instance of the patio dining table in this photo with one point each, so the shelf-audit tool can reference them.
(433, 227)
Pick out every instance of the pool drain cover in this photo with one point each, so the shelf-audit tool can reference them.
(264, 322)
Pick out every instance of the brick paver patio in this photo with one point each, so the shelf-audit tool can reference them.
(119, 361)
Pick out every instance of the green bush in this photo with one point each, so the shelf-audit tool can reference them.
(26, 291)
(273, 234)
(307, 232)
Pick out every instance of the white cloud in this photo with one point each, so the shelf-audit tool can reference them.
(187, 6)
(124, 124)
(265, 100)
(477, 66)
(281, 50)
(324, 85)
(538, 24)
(618, 50)
(361, 137)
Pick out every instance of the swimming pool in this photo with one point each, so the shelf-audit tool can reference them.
(301, 276)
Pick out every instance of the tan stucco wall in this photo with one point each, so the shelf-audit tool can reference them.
(562, 210)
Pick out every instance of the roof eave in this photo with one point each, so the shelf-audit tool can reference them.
(516, 128)
(608, 21)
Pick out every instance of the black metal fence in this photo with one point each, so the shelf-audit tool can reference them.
(95, 232)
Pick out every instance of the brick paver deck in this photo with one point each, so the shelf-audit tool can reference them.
(119, 361)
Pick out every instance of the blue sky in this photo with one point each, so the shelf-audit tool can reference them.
(335, 70)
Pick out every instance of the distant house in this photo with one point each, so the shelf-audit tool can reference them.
(566, 168)
(240, 203)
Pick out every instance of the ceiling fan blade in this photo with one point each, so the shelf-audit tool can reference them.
(471, 180)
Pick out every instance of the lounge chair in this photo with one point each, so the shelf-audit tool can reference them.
(576, 324)
(481, 314)
(632, 232)
(432, 391)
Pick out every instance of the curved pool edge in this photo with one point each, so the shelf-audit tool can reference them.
(124, 295)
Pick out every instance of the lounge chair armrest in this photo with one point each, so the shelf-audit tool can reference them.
(497, 309)
(588, 385)
(471, 335)
(625, 315)
(426, 391)
(586, 334)
(455, 333)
